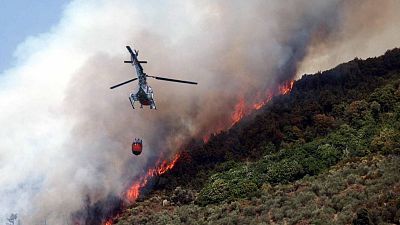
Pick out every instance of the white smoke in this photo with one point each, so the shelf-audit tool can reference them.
(65, 136)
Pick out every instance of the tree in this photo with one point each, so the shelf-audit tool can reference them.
(387, 141)
(323, 123)
(386, 97)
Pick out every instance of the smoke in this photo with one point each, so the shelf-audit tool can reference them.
(66, 136)
(367, 29)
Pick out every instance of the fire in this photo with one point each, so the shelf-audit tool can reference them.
(239, 112)
(286, 87)
(206, 138)
(241, 109)
(258, 106)
(134, 191)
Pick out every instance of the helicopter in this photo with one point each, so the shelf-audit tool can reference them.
(145, 94)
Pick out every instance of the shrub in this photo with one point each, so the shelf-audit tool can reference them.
(358, 113)
(214, 192)
(387, 141)
(234, 184)
(362, 217)
(284, 171)
(375, 109)
(328, 154)
(323, 123)
(386, 97)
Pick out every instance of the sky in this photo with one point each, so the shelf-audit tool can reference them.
(20, 19)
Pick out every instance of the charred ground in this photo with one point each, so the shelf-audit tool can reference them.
(328, 151)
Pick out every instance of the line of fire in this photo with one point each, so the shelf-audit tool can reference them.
(162, 166)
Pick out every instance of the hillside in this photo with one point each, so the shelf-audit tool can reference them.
(328, 151)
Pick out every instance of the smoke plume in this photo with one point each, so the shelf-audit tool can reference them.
(65, 136)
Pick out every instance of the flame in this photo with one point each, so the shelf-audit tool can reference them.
(108, 222)
(286, 87)
(239, 112)
(241, 109)
(134, 191)
(258, 105)
(206, 138)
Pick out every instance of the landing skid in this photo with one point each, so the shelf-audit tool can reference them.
(132, 103)
(152, 105)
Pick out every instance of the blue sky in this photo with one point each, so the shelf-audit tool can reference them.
(22, 18)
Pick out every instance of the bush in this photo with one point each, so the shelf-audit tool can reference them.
(328, 154)
(284, 171)
(182, 196)
(375, 109)
(358, 113)
(213, 192)
(386, 97)
(387, 141)
(362, 218)
(227, 186)
(323, 123)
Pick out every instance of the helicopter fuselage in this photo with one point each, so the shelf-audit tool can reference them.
(145, 94)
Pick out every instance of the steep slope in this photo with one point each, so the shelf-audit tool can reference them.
(328, 151)
(367, 186)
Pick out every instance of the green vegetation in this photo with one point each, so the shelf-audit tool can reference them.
(363, 128)
(368, 186)
(328, 152)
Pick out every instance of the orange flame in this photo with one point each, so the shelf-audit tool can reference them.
(258, 106)
(241, 109)
(286, 87)
(206, 138)
(134, 191)
(108, 222)
(239, 112)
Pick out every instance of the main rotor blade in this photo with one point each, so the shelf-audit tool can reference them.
(123, 83)
(129, 49)
(173, 80)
